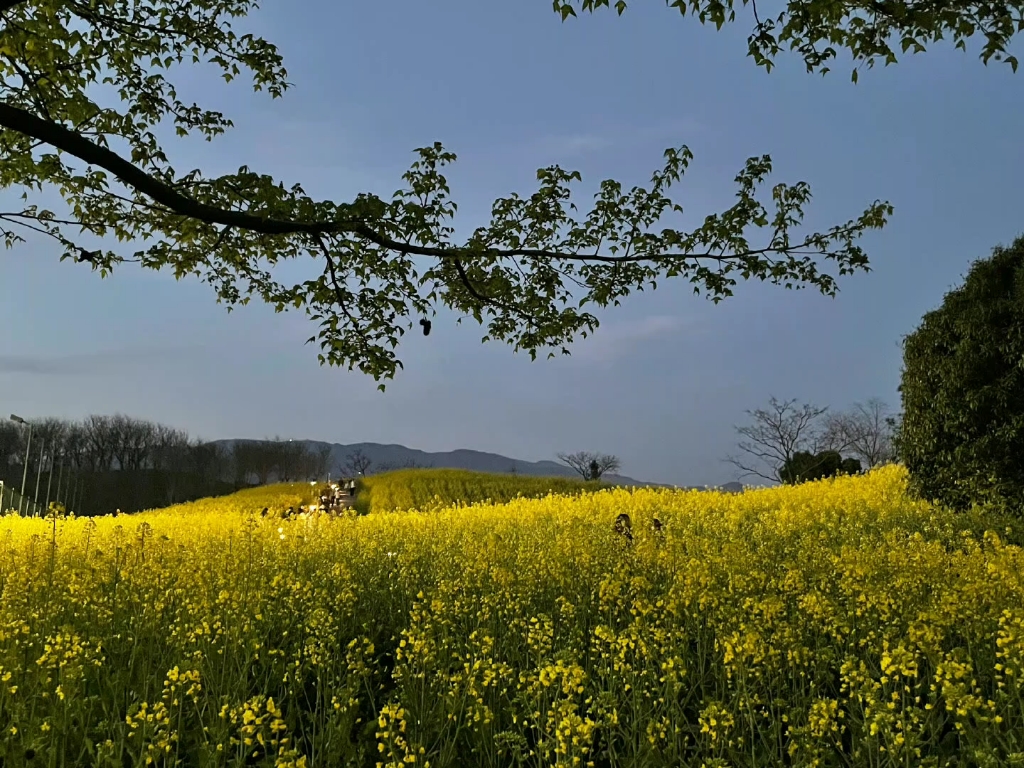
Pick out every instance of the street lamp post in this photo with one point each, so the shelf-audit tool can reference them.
(60, 481)
(28, 447)
(39, 473)
(76, 496)
(49, 482)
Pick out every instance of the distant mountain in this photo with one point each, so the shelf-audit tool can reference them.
(477, 461)
(396, 456)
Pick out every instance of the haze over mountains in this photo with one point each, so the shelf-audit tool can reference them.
(396, 456)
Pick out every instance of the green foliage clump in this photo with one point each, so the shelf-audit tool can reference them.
(430, 489)
(804, 466)
(962, 434)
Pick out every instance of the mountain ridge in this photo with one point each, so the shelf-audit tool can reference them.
(395, 455)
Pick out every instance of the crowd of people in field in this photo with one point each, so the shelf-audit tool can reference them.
(335, 498)
(332, 499)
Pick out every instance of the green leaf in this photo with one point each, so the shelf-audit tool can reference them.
(379, 262)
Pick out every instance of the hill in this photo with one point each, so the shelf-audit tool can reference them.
(421, 489)
(430, 489)
(395, 456)
(248, 501)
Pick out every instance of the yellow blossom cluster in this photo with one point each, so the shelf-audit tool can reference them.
(837, 623)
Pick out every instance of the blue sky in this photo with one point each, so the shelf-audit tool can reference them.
(510, 88)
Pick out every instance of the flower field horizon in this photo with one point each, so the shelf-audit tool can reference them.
(836, 623)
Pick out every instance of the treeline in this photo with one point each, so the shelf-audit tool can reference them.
(104, 463)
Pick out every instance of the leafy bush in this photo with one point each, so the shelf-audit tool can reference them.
(962, 435)
(805, 466)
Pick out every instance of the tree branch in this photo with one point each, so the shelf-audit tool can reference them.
(6, 5)
(339, 294)
(748, 471)
(64, 139)
(61, 138)
(464, 279)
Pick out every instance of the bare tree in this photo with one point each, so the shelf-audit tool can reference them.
(10, 444)
(50, 433)
(591, 466)
(132, 441)
(317, 462)
(291, 458)
(864, 432)
(776, 434)
(170, 450)
(76, 446)
(207, 460)
(244, 460)
(99, 443)
(266, 460)
(171, 457)
(358, 463)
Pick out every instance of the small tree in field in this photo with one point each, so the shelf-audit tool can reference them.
(864, 432)
(358, 463)
(805, 466)
(776, 435)
(591, 466)
(962, 433)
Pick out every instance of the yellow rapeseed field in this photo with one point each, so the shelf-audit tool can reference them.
(831, 624)
(432, 489)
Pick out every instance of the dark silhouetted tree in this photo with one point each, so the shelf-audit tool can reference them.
(358, 463)
(864, 432)
(291, 459)
(318, 462)
(591, 466)
(804, 466)
(775, 436)
(245, 460)
(209, 461)
(100, 442)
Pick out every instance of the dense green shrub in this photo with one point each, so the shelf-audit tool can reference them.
(805, 466)
(962, 435)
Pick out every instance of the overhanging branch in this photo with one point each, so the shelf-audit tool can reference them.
(61, 138)
(6, 5)
(167, 195)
